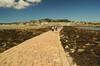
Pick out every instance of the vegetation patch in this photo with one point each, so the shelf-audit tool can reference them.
(12, 37)
(83, 45)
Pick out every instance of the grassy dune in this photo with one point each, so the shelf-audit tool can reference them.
(83, 45)
(13, 37)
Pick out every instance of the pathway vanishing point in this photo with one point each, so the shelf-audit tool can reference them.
(43, 50)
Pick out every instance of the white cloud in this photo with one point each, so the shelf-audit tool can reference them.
(17, 5)
(21, 4)
(7, 3)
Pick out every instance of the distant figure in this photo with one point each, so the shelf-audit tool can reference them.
(56, 28)
(52, 28)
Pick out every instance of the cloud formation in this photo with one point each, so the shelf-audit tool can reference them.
(17, 5)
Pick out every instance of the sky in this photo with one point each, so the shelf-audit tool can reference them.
(27, 10)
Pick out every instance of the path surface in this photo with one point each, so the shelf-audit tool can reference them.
(43, 50)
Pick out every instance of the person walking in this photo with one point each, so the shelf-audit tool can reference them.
(52, 28)
(56, 28)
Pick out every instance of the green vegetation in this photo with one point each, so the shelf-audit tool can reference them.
(96, 23)
(33, 22)
(54, 20)
(83, 45)
(13, 37)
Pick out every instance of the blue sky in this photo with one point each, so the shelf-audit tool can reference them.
(26, 10)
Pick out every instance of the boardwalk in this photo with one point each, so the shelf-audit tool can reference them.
(43, 50)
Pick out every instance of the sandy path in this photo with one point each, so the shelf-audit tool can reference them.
(43, 50)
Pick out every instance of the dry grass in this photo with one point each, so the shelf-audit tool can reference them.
(83, 45)
(13, 37)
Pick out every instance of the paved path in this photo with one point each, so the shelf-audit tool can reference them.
(43, 50)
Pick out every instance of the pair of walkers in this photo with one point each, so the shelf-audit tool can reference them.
(54, 28)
